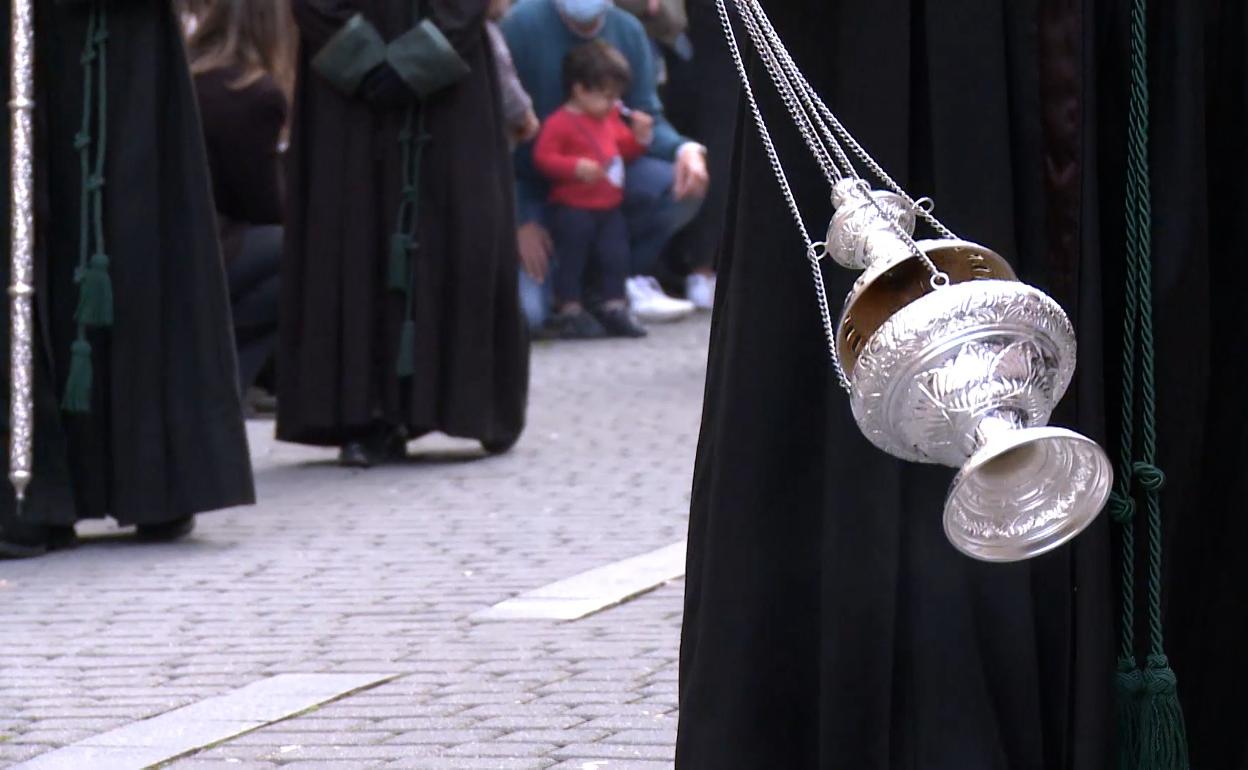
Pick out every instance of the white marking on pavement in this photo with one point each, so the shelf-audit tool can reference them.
(175, 733)
(597, 589)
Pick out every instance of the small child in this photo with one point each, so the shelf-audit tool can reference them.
(582, 150)
(521, 122)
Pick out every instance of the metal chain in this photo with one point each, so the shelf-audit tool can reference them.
(818, 126)
(838, 128)
(814, 131)
(765, 41)
(813, 252)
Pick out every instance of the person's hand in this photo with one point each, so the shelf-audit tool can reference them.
(382, 87)
(529, 130)
(692, 178)
(652, 7)
(590, 171)
(643, 127)
(535, 250)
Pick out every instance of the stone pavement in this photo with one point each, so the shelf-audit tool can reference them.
(377, 572)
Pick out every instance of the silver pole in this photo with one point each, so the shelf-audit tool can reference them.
(22, 230)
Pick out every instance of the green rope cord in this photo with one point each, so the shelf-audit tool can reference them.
(405, 242)
(95, 295)
(1151, 733)
(405, 363)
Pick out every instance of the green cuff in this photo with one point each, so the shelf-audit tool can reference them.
(425, 59)
(353, 52)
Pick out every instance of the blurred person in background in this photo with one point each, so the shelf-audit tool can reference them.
(582, 152)
(702, 96)
(665, 23)
(137, 413)
(663, 190)
(242, 57)
(521, 122)
(189, 13)
(400, 310)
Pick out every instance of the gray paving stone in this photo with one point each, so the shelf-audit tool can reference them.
(645, 737)
(613, 751)
(444, 737)
(349, 572)
(510, 749)
(614, 764)
(533, 722)
(558, 737)
(219, 764)
(466, 763)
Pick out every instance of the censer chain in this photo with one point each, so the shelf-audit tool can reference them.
(787, 77)
(837, 128)
(814, 251)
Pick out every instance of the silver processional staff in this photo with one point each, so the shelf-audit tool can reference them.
(21, 253)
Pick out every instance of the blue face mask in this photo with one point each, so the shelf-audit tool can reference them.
(584, 12)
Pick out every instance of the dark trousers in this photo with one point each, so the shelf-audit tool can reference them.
(590, 245)
(254, 284)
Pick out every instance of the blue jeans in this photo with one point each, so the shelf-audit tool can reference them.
(653, 215)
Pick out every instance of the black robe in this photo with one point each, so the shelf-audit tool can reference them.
(340, 324)
(165, 435)
(828, 623)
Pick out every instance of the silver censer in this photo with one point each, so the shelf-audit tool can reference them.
(947, 357)
(963, 367)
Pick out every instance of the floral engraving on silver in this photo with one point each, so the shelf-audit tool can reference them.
(967, 375)
(860, 211)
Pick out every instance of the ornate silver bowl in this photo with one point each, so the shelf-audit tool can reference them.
(951, 360)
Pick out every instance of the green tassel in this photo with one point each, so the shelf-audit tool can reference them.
(95, 294)
(77, 398)
(1162, 736)
(398, 273)
(406, 364)
(1128, 686)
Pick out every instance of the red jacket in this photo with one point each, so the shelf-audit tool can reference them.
(571, 136)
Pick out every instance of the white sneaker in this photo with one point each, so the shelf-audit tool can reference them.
(649, 303)
(700, 289)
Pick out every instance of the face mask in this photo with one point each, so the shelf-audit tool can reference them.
(583, 11)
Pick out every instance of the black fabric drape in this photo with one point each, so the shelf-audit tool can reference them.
(340, 325)
(165, 435)
(829, 624)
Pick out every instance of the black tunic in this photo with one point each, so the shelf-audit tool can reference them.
(340, 324)
(828, 622)
(165, 435)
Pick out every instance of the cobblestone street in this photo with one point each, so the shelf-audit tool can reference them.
(378, 572)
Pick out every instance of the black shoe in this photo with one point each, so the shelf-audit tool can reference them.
(257, 403)
(576, 325)
(355, 454)
(386, 446)
(499, 446)
(25, 541)
(166, 531)
(618, 321)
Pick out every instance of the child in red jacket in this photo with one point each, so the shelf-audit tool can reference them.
(582, 151)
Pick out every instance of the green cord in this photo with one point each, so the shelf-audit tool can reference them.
(405, 242)
(1151, 733)
(95, 291)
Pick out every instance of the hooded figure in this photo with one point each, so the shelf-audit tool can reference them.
(400, 309)
(137, 409)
